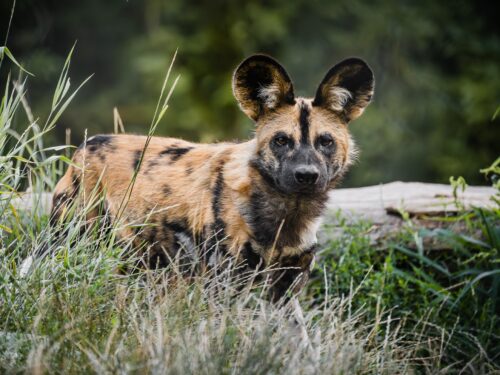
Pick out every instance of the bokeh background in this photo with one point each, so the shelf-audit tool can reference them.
(437, 68)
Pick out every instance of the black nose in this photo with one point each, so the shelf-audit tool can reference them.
(306, 175)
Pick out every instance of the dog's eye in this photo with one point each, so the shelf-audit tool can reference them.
(281, 140)
(326, 141)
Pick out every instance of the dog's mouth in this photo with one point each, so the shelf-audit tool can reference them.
(300, 190)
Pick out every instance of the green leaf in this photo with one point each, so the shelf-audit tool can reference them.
(4, 51)
(424, 260)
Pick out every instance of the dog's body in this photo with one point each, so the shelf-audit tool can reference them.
(259, 201)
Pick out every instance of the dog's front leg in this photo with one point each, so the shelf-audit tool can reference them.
(292, 274)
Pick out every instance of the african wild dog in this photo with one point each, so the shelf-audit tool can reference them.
(259, 201)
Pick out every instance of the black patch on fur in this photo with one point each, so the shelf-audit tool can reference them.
(328, 151)
(67, 196)
(136, 159)
(264, 224)
(167, 190)
(258, 163)
(176, 226)
(267, 210)
(75, 182)
(177, 248)
(152, 232)
(252, 259)
(219, 227)
(304, 124)
(293, 267)
(256, 78)
(176, 152)
(163, 244)
(58, 199)
(217, 192)
(157, 257)
(57, 202)
(151, 164)
(216, 233)
(280, 152)
(64, 198)
(96, 142)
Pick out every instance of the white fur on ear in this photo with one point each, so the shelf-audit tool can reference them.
(270, 95)
(353, 153)
(339, 97)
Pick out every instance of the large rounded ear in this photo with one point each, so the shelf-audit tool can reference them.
(261, 84)
(347, 89)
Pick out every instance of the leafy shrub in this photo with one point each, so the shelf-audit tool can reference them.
(455, 288)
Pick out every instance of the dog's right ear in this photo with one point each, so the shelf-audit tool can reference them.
(261, 84)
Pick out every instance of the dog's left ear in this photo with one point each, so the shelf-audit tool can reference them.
(261, 84)
(347, 89)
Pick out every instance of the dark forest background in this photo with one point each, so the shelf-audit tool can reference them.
(437, 68)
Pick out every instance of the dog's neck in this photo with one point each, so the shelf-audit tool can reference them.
(279, 220)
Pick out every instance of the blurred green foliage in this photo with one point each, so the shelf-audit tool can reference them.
(436, 64)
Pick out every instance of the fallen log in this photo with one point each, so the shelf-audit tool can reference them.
(381, 203)
(386, 207)
(414, 205)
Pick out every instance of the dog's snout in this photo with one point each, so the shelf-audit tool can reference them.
(306, 175)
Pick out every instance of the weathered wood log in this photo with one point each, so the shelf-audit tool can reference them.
(382, 205)
(39, 203)
(387, 207)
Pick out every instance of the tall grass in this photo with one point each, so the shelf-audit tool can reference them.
(74, 314)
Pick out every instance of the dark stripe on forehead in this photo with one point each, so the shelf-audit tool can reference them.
(304, 123)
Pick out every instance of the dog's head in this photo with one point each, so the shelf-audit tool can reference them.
(303, 145)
